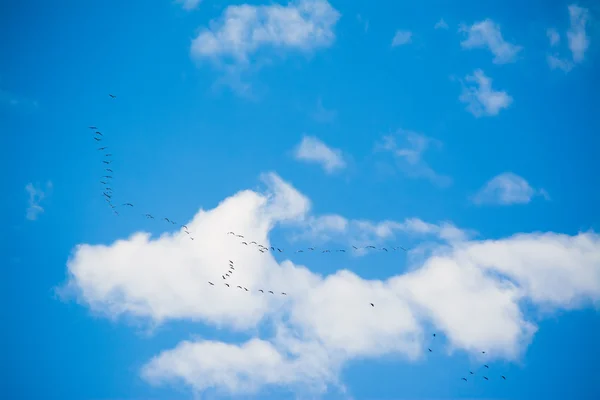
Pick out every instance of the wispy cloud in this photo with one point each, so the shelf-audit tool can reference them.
(312, 150)
(577, 38)
(410, 155)
(505, 189)
(487, 33)
(36, 195)
(322, 114)
(364, 22)
(401, 38)
(189, 4)
(481, 98)
(441, 24)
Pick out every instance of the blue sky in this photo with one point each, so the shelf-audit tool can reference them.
(465, 132)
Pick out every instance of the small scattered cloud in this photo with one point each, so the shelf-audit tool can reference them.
(322, 114)
(312, 150)
(242, 30)
(576, 35)
(506, 189)
(410, 155)
(189, 5)
(36, 195)
(577, 38)
(401, 38)
(441, 24)
(13, 100)
(364, 22)
(481, 98)
(487, 33)
(553, 36)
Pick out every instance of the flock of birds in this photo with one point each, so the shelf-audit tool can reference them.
(108, 194)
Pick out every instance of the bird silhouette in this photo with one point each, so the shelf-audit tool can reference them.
(112, 96)
(212, 284)
(372, 305)
(464, 379)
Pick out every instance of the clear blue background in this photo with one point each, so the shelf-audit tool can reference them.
(181, 144)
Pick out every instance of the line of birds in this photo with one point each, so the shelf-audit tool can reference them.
(230, 271)
(264, 249)
(108, 194)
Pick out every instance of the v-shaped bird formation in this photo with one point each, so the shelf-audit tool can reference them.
(108, 194)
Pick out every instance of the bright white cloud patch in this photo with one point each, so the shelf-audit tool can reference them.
(505, 189)
(487, 33)
(36, 195)
(401, 38)
(410, 155)
(471, 291)
(312, 150)
(481, 98)
(242, 30)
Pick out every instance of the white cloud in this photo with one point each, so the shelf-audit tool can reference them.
(578, 40)
(314, 151)
(242, 30)
(36, 195)
(470, 291)
(401, 38)
(487, 33)
(410, 156)
(323, 114)
(505, 189)
(189, 4)
(553, 36)
(441, 24)
(481, 98)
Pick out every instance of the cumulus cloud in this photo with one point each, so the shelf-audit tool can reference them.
(470, 291)
(487, 33)
(441, 24)
(577, 39)
(410, 155)
(36, 195)
(401, 38)
(481, 98)
(312, 150)
(507, 188)
(304, 25)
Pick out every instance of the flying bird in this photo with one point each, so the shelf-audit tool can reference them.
(212, 284)
(128, 204)
(245, 243)
(223, 276)
(464, 379)
(149, 216)
(240, 236)
(260, 290)
(98, 133)
(503, 377)
(434, 335)
(106, 162)
(108, 155)
(239, 286)
(107, 176)
(486, 366)
(183, 226)
(284, 293)
(103, 148)
(245, 289)
(104, 183)
(166, 219)
(372, 305)
(270, 291)
(108, 169)
(485, 377)
(431, 351)
(112, 96)
(92, 127)
(230, 233)
(227, 284)
(97, 139)
(471, 372)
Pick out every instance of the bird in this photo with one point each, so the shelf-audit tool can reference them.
(253, 242)
(231, 262)
(245, 243)
(223, 276)
(112, 96)
(166, 219)
(260, 290)
(107, 162)
(383, 248)
(431, 351)
(239, 286)
(227, 284)
(108, 155)
(107, 195)
(486, 366)
(434, 335)
(240, 236)
(232, 267)
(116, 213)
(355, 248)
(103, 148)
(212, 284)
(270, 291)
(372, 305)
(485, 377)
(245, 289)
(230, 233)
(97, 139)
(284, 293)
(503, 377)
(483, 352)
(343, 251)
(128, 204)
(107, 176)
(471, 372)
(149, 216)
(108, 169)
(371, 247)
(464, 379)
(311, 248)
(183, 226)
(92, 127)
(104, 183)
(98, 133)
(191, 238)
